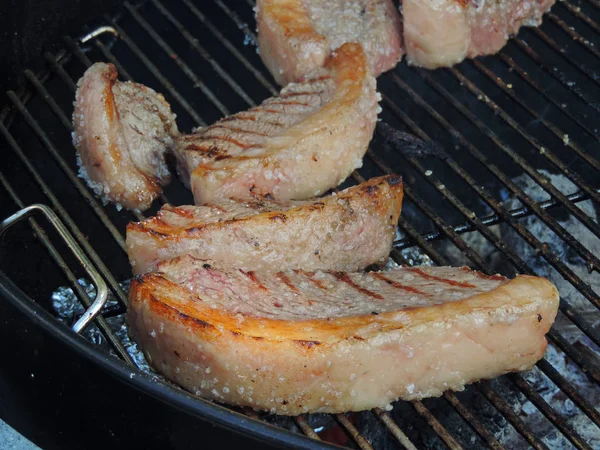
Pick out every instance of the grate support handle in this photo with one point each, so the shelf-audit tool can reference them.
(101, 287)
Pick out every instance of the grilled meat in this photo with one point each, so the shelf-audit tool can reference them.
(295, 342)
(296, 36)
(122, 131)
(440, 33)
(295, 146)
(345, 231)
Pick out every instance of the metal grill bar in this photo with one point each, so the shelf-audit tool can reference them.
(57, 68)
(475, 223)
(552, 44)
(576, 11)
(499, 403)
(65, 217)
(574, 35)
(305, 427)
(595, 3)
(525, 76)
(173, 55)
(155, 72)
(470, 417)
(360, 440)
(492, 219)
(436, 425)
(549, 155)
(549, 126)
(543, 181)
(444, 227)
(123, 73)
(394, 429)
(76, 50)
(576, 356)
(218, 35)
(556, 74)
(568, 389)
(194, 43)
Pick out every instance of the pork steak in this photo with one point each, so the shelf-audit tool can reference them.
(441, 33)
(295, 342)
(345, 231)
(294, 146)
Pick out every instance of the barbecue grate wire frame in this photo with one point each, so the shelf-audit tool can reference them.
(550, 84)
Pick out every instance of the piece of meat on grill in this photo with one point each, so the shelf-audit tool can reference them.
(296, 36)
(345, 231)
(440, 33)
(295, 342)
(121, 133)
(292, 147)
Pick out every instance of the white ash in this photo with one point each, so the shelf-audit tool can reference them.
(68, 308)
(100, 189)
(414, 256)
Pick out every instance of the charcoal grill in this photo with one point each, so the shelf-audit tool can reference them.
(513, 188)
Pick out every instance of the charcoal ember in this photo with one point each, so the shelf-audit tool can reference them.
(409, 144)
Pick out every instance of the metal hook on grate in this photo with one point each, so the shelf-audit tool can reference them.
(101, 288)
(97, 32)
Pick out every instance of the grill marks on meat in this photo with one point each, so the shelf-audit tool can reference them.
(295, 37)
(294, 146)
(323, 138)
(340, 294)
(345, 231)
(121, 133)
(441, 33)
(371, 341)
(252, 129)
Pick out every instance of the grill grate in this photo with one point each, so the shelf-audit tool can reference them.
(532, 110)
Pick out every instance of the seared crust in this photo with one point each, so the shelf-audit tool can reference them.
(310, 157)
(343, 363)
(345, 231)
